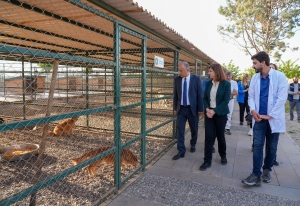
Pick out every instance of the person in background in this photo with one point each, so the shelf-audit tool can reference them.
(233, 90)
(187, 105)
(293, 97)
(273, 66)
(204, 84)
(243, 87)
(267, 97)
(216, 99)
(276, 163)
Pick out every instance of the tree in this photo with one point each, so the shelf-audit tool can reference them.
(261, 25)
(250, 71)
(46, 67)
(289, 68)
(231, 67)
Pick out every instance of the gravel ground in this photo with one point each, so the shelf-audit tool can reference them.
(293, 129)
(172, 191)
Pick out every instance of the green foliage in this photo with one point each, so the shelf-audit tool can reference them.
(250, 71)
(290, 68)
(231, 67)
(46, 67)
(261, 25)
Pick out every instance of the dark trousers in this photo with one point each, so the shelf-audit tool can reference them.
(214, 127)
(185, 114)
(243, 107)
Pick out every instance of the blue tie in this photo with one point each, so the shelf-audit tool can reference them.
(184, 93)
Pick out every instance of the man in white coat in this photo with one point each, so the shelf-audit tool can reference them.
(234, 92)
(267, 97)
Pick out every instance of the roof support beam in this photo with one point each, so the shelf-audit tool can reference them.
(65, 19)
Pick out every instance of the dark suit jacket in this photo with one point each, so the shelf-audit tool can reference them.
(222, 98)
(194, 94)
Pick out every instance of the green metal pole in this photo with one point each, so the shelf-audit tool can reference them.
(105, 80)
(4, 82)
(151, 87)
(117, 100)
(143, 106)
(196, 68)
(176, 61)
(201, 70)
(87, 93)
(23, 88)
(67, 84)
(31, 83)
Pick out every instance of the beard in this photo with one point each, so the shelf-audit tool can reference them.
(295, 82)
(258, 69)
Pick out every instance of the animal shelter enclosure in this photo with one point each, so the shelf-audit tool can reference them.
(84, 105)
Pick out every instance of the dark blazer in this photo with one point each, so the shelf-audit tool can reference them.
(222, 98)
(194, 93)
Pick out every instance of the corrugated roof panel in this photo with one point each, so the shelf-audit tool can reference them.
(145, 17)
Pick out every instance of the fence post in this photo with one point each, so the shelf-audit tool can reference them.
(23, 88)
(176, 61)
(117, 98)
(87, 92)
(144, 104)
(39, 162)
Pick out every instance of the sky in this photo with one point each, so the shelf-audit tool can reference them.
(197, 22)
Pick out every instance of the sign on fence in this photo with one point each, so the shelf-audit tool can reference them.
(158, 62)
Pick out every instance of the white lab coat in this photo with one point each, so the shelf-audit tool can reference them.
(276, 99)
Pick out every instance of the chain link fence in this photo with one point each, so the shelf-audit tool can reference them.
(83, 106)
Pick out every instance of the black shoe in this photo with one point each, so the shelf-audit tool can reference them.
(176, 157)
(276, 163)
(223, 160)
(204, 166)
(241, 123)
(213, 150)
(193, 149)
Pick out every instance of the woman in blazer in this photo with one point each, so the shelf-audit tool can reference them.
(243, 87)
(216, 99)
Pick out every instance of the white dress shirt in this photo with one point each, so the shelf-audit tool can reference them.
(213, 94)
(187, 89)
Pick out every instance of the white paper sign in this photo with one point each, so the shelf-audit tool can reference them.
(159, 62)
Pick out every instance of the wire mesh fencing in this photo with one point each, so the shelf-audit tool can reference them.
(83, 106)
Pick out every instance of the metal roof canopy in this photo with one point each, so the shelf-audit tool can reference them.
(81, 31)
(138, 16)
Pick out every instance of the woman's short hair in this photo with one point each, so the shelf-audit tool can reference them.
(219, 72)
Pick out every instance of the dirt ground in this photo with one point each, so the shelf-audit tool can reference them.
(77, 188)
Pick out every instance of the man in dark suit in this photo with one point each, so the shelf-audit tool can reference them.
(187, 105)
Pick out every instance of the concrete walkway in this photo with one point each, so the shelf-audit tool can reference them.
(180, 182)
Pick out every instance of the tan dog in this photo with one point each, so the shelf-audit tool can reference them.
(65, 128)
(127, 158)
